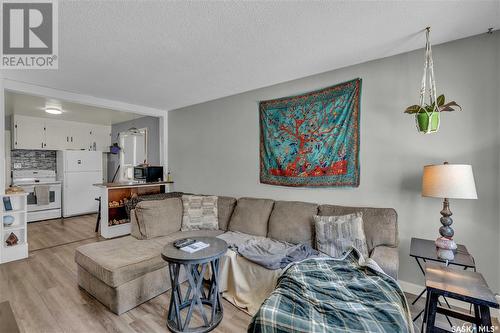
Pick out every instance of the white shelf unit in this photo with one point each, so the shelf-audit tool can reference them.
(18, 227)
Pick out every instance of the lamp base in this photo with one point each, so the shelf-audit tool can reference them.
(446, 248)
(445, 244)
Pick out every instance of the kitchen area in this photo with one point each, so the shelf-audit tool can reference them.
(64, 157)
(51, 177)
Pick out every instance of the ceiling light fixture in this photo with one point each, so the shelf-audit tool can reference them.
(53, 111)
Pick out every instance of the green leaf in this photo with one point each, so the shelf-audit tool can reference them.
(440, 100)
(413, 109)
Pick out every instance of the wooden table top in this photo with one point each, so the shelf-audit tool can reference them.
(426, 249)
(461, 284)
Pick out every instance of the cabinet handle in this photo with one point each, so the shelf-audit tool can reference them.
(71, 139)
(67, 139)
(42, 144)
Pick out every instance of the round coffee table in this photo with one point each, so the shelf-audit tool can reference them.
(195, 265)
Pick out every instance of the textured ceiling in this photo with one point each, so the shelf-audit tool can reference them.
(34, 106)
(168, 54)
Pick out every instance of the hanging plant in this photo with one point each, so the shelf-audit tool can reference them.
(431, 112)
(427, 115)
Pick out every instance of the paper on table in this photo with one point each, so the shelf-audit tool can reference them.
(195, 247)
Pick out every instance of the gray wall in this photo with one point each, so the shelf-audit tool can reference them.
(214, 146)
(153, 126)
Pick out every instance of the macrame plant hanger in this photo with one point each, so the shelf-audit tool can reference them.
(428, 73)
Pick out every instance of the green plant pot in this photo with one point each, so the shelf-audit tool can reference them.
(423, 122)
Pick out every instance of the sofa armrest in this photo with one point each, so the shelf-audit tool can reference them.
(387, 258)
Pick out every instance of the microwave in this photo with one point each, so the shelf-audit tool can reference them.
(148, 174)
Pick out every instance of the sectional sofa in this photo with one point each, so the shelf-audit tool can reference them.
(125, 272)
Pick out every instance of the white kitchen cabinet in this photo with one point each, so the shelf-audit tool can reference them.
(54, 134)
(29, 133)
(101, 137)
(60, 135)
(80, 136)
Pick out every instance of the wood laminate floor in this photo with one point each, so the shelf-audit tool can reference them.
(44, 294)
(55, 232)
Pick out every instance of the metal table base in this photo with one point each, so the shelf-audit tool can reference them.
(195, 298)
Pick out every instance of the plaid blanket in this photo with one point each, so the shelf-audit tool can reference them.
(332, 295)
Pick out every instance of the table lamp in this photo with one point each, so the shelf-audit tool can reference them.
(448, 181)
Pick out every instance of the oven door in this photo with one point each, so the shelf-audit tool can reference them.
(54, 198)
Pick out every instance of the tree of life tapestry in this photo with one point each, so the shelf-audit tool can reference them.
(311, 139)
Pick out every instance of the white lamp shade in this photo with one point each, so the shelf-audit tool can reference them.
(453, 181)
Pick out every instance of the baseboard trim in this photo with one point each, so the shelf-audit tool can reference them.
(416, 289)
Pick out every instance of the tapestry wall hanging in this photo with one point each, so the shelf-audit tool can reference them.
(311, 139)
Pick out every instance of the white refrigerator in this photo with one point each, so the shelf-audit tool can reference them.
(79, 170)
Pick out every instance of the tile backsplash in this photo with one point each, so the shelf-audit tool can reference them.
(33, 159)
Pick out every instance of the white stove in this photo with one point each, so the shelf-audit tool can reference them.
(28, 180)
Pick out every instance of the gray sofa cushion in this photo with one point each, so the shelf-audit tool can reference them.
(117, 261)
(225, 206)
(380, 224)
(158, 218)
(388, 259)
(132, 202)
(251, 216)
(292, 221)
(120, 260)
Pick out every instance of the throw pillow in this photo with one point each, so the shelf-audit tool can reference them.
(157, 218)
(335, 235)
(199, 213)
(251, 216)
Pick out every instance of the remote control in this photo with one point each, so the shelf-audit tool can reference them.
(184, 242)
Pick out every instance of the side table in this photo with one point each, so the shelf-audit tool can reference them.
(465, 286)
(424, 250)
(195, 265)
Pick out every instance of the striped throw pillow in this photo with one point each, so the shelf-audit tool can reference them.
(335, 235)
(199, 213)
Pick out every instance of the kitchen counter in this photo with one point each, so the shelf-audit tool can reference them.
(132, 184)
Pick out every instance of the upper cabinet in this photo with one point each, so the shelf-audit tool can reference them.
(28, 133)
(79, 137)
(100, 138)
(54, 134)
